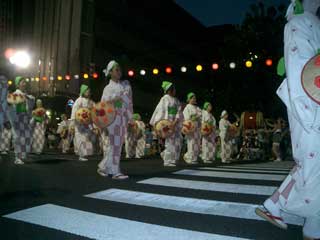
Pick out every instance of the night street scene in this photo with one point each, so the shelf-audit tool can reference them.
(159, 119)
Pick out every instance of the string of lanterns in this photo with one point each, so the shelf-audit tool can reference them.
(198, 68)
(155, 71)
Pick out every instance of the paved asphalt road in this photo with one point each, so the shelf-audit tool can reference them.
(58, 197)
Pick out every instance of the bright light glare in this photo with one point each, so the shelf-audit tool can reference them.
(20, 59)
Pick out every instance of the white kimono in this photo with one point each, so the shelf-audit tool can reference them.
(65, 141)
(83, 138)
(194, 113)
(300, 192)
(208, 142)
(21, 127)
(169, 109)
(226, 144)
(114, 138)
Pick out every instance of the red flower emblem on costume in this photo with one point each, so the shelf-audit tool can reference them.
(317, 81)
(84, 115)
(101, 112)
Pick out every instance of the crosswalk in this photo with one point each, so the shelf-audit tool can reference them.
(222, 194)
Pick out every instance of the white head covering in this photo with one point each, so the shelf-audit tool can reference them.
(110, 65)
(290, 10)
(224, 112)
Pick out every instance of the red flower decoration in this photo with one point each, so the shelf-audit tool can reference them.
(102, 112)
(317, 81)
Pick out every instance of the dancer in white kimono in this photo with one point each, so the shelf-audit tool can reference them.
(117, 91)
(63, 131)
(141, 143)
(83, 133)
(39, 130)
(20, 117)
(226, 144)
(208, 141)
(169, 108)
(299, 194)
(193, 112)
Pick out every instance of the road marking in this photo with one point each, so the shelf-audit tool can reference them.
(255, 167)
(192, 205)
(252, 176)
(96, 226)
(210, 186)
(245, 170)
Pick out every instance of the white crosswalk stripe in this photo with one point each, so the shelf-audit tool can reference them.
(211, 186)
(245, 170)
(252, 176)
(102, 227)
(176, 192)
(210, 207)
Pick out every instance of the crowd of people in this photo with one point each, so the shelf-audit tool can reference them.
(194, 131)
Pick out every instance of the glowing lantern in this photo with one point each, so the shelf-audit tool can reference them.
(9, 82)
(68, 77)
(131, 73)
(215, 66)
(248, 64)
(183, 69)
(59, 78)
(269, 62)
(143, 72)
(85, 76)
(95, 75)
(37, 79)
(168, 70)
(232, 65)
(199, 68)
(44, 78)
(155, 71)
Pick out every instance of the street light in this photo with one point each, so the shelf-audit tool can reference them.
(20, 59)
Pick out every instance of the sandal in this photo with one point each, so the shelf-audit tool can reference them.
(120, 176)
(276, 221)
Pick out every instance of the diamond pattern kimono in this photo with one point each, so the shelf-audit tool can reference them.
(208, 142)
(194, 113)
(169, 108)
(83, 133)
(121, 94)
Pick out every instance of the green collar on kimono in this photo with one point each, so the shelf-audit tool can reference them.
(172, 110)
(38, 119)
(21, 107)
(210, 123)
(194, 117)
(118, 104)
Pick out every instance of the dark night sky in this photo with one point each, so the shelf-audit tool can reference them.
(217, 12)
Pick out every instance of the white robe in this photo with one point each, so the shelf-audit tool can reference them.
(194, 113)
(208, 142)
(21, 127)
(226, 144)
(115, 136)
(171, 153)
(83, 138)
(300, 192)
